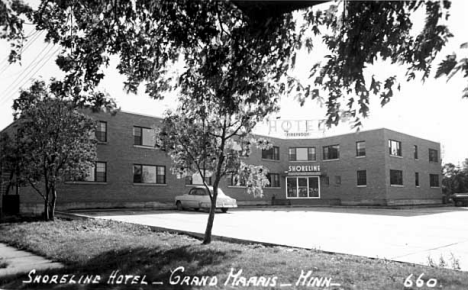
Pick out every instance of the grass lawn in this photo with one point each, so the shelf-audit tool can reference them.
(99, 247)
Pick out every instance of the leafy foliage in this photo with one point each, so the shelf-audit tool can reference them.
(455, 178)
(150, 37)
(450, 66)
(54, 139)
(358, 33)
(11, 25)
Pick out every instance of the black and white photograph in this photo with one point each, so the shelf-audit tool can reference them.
(233, 144)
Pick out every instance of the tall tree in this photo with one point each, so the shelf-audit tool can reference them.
(55, 139)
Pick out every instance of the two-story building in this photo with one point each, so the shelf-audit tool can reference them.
(375, 167)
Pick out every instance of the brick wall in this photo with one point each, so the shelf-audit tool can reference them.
(120, 155)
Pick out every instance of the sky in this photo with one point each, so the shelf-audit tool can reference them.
(431, 110)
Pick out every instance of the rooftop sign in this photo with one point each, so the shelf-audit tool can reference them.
(294, 128)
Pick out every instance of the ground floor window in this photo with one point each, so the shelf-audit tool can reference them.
(274, 179)
(416, 179)
(235, 180)
(302, 187)
(149, 174)
(189, 180)
(434, 180)
(396, 177)
(361, 178)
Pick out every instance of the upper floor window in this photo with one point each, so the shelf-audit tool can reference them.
(143, 136)
(235, 180)
(434, 180)
(396, 177)
(302, 154)
(433, 155)
(101, 131)
(272, 153)
(331, 152)
(274, 179)
(361, 148)
(394, 148)
(149, 174)
(415, 152)
(361, 178)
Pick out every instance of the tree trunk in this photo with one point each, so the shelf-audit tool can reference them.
(46, 207)
(209, 225)
(52, 204)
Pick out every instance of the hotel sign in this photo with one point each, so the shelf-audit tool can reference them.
(295, 128)
(304, 168)
(309, 170)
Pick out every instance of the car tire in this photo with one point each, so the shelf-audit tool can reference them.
(197, 209)
(179, 205)
(459, 203)
(224, 210)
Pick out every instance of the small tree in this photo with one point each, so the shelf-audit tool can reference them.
(455, 179)
(206, 139)
(55, 140)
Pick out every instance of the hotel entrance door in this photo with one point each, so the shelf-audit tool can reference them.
(303, 187)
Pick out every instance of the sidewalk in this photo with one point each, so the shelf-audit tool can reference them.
(21, 262)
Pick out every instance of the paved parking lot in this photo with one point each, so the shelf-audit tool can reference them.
(409, 235)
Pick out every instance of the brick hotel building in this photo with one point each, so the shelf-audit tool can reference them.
(375, 167)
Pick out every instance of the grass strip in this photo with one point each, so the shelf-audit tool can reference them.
(101, 247)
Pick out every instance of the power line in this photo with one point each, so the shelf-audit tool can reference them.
(35, 35)
(45, 59)
(30, 73)
(12, 84)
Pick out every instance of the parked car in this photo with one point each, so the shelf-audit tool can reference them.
(197, 197)
(460, 199)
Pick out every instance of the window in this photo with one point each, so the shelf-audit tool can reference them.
(433, 155)
(143, 136)
(416, 179)
(149, 174)
(235, 180)
(101, 131)
(189, 181)
(274, 179)
(361, 148)
(302, 187)
(361, 178)
(331, 152)
(338, 180)
(245, 149)
(302, 154)
(95, 173)
(415, 152)
(434, 180)
(272, 153)
(396, 177)
(394, 148)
